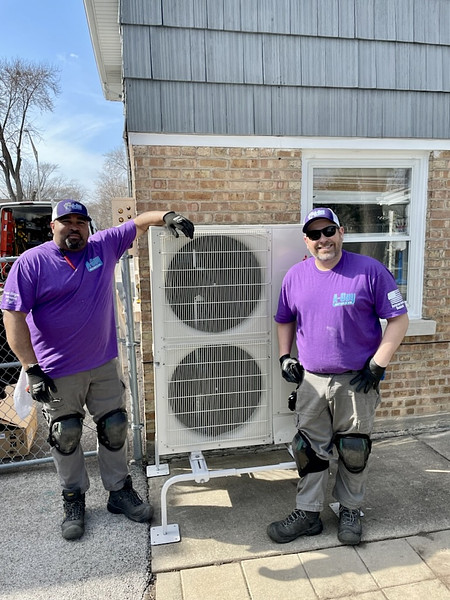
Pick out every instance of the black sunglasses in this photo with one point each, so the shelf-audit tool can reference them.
(315, 234)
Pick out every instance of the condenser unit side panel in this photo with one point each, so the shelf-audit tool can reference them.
(288, 248)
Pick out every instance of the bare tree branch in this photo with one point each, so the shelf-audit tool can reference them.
(112, 183)
(25, 88)
(53, 185)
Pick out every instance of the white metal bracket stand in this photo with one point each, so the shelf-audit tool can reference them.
(158, 469)
(168, 534)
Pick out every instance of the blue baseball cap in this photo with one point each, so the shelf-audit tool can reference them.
(70, 207)
(320, 213)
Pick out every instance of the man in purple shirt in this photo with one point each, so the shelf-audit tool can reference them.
(58, 309)
(332, 304)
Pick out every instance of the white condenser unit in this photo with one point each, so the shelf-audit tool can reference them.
(217, 374)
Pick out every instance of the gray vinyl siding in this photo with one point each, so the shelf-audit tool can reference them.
(232, 110)
(228, 57)
(371, 68)
(417, 21)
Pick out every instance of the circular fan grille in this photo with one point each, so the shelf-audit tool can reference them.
(215, 389)
(213, 283)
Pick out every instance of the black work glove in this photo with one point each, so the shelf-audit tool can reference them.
(292, 400)
(291, 369)
(369, 376)
(174, 221)
(40, 384)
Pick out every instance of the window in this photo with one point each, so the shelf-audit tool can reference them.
(380, 199)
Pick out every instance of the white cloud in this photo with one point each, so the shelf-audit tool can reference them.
(63, 57)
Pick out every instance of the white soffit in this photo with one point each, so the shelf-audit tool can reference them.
(103, 22)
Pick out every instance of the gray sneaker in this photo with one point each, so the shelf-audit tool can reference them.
(350, 528)
(128, 502)
(299, 522)
(72, 527)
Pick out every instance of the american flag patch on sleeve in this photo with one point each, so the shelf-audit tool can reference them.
(396, 299)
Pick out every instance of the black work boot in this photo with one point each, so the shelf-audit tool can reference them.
(350, 528)
(299, 522)
(72, 527)
(128, 502)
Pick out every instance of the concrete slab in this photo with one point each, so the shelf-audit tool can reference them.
(109, 561)
(408, 489)
(169, 586)
(418, 591)
(337, 572)
(278, 577)
(393, 563)
(391, 569)
(434, 549)
(220, 582)
(225, 519)
(439, 441)
(224, 547)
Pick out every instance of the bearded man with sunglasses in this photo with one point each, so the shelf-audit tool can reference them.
(332, 304)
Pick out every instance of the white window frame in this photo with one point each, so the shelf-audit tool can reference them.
(417, 161)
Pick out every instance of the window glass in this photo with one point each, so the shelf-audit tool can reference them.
(373, 207)
(366, 200)
(392, 254)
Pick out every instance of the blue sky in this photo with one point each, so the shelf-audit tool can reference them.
(84, 125)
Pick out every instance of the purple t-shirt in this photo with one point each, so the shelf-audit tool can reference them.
(337, 312)
(70, 313)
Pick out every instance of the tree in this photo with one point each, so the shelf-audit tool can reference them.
(53, 185)
(25, 88)
(112, 183)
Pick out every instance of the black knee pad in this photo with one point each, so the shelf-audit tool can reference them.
(112, 429)
(354, 450)
(306, 459)
(65, 433)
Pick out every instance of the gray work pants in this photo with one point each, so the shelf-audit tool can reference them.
(327, 405)
(100, 390)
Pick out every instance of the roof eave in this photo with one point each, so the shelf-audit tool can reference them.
(104, 28)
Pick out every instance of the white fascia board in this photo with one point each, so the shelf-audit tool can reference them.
(258, 141)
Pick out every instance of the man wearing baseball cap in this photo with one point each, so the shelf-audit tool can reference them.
(59, 318)
(332, 304)
(69, 207)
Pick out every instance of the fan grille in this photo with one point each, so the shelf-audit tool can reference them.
(213, 283)
(215, 389)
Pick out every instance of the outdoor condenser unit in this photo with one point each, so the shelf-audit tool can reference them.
(217, 374)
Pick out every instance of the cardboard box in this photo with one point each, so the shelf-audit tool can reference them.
(16, 434)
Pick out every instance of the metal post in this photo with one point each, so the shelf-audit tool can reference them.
(131, 355)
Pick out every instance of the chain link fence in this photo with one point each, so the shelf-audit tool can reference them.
(23, 442)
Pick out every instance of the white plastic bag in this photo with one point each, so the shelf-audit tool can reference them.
(22, 398)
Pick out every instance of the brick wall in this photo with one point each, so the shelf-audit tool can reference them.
(263, 185)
